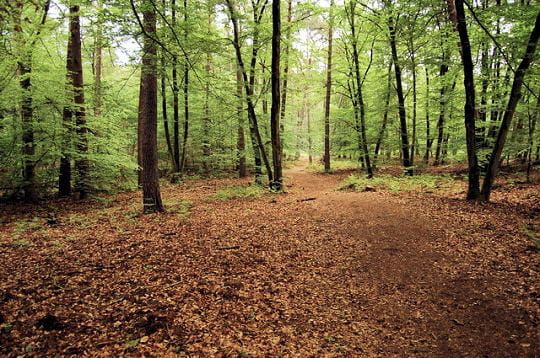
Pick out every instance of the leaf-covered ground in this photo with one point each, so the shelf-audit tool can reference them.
(228, 272)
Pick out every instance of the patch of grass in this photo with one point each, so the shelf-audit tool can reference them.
(335, 166)
(424, 182)
(178, 207)
(22, 244)
(241, 191)
(531, 235)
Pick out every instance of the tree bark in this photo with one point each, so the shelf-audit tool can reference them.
(328, 90)
(147, 131)
(277, 183)
(401, 101)
(473, 192)
(429, 139)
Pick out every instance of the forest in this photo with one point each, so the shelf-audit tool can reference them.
(318, 178)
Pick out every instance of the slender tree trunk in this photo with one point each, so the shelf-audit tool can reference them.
(147, 131)
(473, 192)
(76, 72)
(164, 108)
(24, 69)
(442, 112)
(533, 117)
(98, 60)
(176, 103)
(206, 119)
(401, 101)
(241, 142)
(186, 99)
(429, 139)
(277, 183)
(328, 90)
(382, 131)
(249, 83)
(415, 98)
(285, 69)
(515, 96)
(310, 139)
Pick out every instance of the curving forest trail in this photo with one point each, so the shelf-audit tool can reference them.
(312, 272)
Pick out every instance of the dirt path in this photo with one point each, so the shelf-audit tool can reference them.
(313, 272)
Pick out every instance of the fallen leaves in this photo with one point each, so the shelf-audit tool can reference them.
(348, 274)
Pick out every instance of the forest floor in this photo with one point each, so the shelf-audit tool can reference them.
(310, 272)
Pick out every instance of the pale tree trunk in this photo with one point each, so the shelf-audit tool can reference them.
(384, 123)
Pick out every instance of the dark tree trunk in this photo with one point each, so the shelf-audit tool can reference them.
(186, 99)
(249, 84)
(401, 101)
(429, 139)
(164, 108)
(285, 70)
(241, 142)
(24, 69)
(328, 90)
(515, 96)
(98, 60)
(176, 102)
(147, 131)
(384, 123)
(473, 192)
(75, 71)
(277, 183)
(442, 111)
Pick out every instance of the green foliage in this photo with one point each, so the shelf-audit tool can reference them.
(241, 191)
(528, 230)
(22, 244)
(424, 182)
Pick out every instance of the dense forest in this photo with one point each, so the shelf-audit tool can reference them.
(319, 178)
(425, 83)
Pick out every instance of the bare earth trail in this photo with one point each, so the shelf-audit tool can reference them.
(311, 273)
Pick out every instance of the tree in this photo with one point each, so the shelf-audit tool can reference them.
(277, 182)
(147, 128)
(328, 90)
(515, 96)
(458, 17)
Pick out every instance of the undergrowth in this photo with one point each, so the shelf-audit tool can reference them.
(423, 182)
(241, 191)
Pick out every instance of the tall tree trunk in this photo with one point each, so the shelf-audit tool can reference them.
(206, 118)
(515, 96)
(382, 131)
(164, 107)
(250, 82)
(147, 131)
(24, 69)
(98, 60)
(533, 118)
(443, 93)
(310, 139)
(401, 101)
(75, 70)
(415, 97)
(328, 90)
(241, 142)
(186, 99)
(285, 70)
(176, 103)
(277, 183)
(429, 139)
(473, 192)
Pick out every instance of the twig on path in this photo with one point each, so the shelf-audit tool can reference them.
(306, 199)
